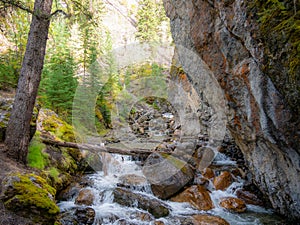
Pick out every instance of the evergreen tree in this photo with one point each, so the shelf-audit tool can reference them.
(150, 16)
(14, 24)
(59, 83)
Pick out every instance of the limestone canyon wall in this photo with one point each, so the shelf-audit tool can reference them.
(224, 35)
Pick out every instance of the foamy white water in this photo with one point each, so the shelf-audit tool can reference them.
(108, 212)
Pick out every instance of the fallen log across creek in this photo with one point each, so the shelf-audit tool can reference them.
(97, 148)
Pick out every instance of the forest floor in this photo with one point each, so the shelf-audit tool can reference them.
(7, 166)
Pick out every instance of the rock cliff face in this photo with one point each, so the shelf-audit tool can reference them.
(224, 34)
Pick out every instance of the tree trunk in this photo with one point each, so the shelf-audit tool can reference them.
(18, 129)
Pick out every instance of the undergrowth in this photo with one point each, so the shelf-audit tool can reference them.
(36, 158)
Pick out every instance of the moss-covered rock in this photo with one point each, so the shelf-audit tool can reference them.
(58, 163)
(51, 124)
(30, 196)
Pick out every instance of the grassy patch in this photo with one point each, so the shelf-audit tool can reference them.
(36, 158)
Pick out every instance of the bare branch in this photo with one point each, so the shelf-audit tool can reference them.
(18, 4)
(58, 12)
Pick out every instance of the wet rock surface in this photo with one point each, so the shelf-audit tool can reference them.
(233, 204)
(128, 198)
(208, 173)
(202, 220)
(85, 216)
(167, 175)
(208, 220)
(85, 197)
(78, 216)
(132, 181)
(223, 181)
(197, 196)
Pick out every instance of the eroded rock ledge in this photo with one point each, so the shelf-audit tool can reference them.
(224, 35)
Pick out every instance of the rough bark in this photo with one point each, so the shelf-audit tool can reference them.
(18, 129)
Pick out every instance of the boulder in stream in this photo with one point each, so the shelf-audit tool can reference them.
(208, 220)
(132, 181)
(78, 216)
(197, 196)
(85, 216)
(233, 204)
(131, 199)
(200, 220)
(223, 181)
(85, 197)
(208, 173)
(167, 174)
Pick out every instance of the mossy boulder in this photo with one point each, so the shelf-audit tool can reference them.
(53, 126)
(30, 196)
(58, 163)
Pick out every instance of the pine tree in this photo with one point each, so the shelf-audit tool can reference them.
(150, 16)
(59, 83)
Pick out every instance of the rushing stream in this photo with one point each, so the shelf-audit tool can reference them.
(109, 212)
(120, 193)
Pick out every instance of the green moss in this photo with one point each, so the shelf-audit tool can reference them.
(179, 164)
(2, 124)
(59, 128)
(53, 172)
(36, 158)
(69, 163)
(279, 30)
(66, 132)
(56, 178)
(35, 115)
(32, 191)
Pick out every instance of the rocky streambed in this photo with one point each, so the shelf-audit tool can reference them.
(196, 183)
(124, 196)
